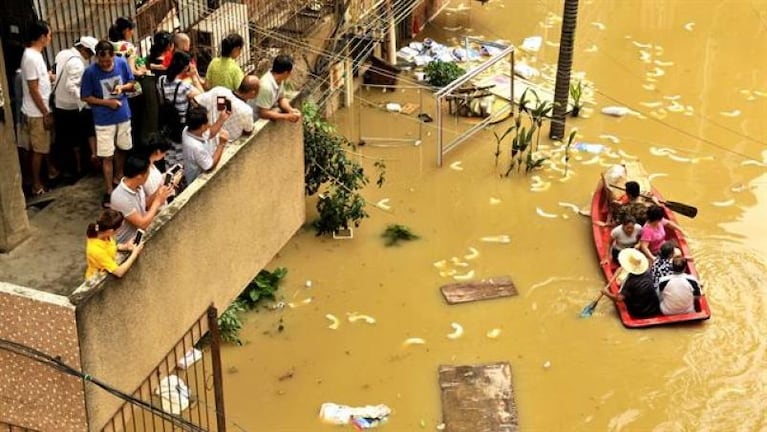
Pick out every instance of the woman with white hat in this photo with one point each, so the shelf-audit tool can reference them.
(638, 290)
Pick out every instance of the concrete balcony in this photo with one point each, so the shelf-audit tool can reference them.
(202, 249)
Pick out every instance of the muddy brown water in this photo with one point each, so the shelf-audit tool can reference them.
(705, 56)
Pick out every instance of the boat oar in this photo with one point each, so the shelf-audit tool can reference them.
(681, 208)
(589, 309)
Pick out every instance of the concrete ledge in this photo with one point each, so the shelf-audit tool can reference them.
(203, 249)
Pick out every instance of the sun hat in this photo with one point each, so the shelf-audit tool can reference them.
(633, 261)
(88, 42)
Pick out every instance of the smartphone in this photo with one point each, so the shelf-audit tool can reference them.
(175, 169)
(139, 236)
(228, 105)
(168, 178)
(221, 103)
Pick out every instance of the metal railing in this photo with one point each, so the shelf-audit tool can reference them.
(186, 385)
(451, 89)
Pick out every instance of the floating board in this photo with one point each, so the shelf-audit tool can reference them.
(478, 398)
(485, 289)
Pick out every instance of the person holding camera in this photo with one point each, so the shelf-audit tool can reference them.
(203, 144)
(130, 198)
(155, 150)
(101, 248)
(219, 99)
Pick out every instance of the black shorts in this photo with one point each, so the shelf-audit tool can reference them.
(73, 127)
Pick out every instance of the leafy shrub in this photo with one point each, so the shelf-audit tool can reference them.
(441, 73)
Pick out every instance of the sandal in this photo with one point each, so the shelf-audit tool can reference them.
(39, 192)
(106, 200)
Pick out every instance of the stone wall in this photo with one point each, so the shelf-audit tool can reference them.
(33, 395)
(210, 242)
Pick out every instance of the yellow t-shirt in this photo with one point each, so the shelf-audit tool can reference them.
(101, 255)
(224, 72)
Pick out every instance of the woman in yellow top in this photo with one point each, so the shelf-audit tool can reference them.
(101, 248)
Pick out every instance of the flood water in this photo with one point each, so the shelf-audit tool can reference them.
(654, 57)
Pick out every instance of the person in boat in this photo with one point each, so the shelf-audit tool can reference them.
(678, 291)
(634, 204)
(654, 232)
(625, 235)
(662, 265)
(637, 291)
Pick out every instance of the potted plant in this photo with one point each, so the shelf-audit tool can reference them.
(576, 91)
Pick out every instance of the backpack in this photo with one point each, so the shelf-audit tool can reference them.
(170, 121)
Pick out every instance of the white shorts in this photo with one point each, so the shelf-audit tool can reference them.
(113, 136)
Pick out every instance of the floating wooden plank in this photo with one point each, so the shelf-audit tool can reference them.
(485, 289)
(478, 398)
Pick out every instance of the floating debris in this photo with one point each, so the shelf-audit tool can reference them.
(612, 138)
(354, 317)
(383, 204)
(308, 283)
(334, 322)
(414, 341)
(552, 44)
(473, 253)
(641, 45)
(663, 63)
(752, 162)
(440, 264)
(616, 111)
(497, 239)
(690, 26)
(727, 203)
(626, 155)
(652, 177)
(591, 161)
(494, 201)
(733, 113)
(546, 364)
(457, 331)
(456, 166)
(648, 87)
(598, 25)
(447, 273)
(645, 56)
(592, 49)
(571, 206)
(494, 333)
(679, 158)
(466, 276)
(542, 213)
(654, 104)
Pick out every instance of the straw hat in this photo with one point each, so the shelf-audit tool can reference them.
(633, 261)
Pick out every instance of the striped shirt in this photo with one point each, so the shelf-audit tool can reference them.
(181, 102)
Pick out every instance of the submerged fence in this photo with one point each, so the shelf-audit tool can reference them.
(185, 390)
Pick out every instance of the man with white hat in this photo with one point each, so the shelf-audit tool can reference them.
(638, 290)
(74, 121)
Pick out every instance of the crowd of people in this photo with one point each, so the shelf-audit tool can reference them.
(656, 282)
(79, 114)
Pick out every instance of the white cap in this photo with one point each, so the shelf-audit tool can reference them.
(89, 42)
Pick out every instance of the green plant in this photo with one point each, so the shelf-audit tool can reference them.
(570, 140)
(326, 163)
(230, 322)
(441, 73)
(262, 287)
(576, 91)
(394, 233)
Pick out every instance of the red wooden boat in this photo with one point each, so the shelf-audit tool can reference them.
(599, 214)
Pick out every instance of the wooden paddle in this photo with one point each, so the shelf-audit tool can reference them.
(681, 208)
(589, 309)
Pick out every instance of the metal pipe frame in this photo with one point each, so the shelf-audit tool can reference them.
(439, 96)
(415, 141)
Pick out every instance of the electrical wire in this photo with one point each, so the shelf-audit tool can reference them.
(58, 364)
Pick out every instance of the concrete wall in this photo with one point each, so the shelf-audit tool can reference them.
(14, 225)
(210, 242)
(33, 395)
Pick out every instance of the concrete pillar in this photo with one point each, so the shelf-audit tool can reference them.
(391, 48)
(14, 225)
